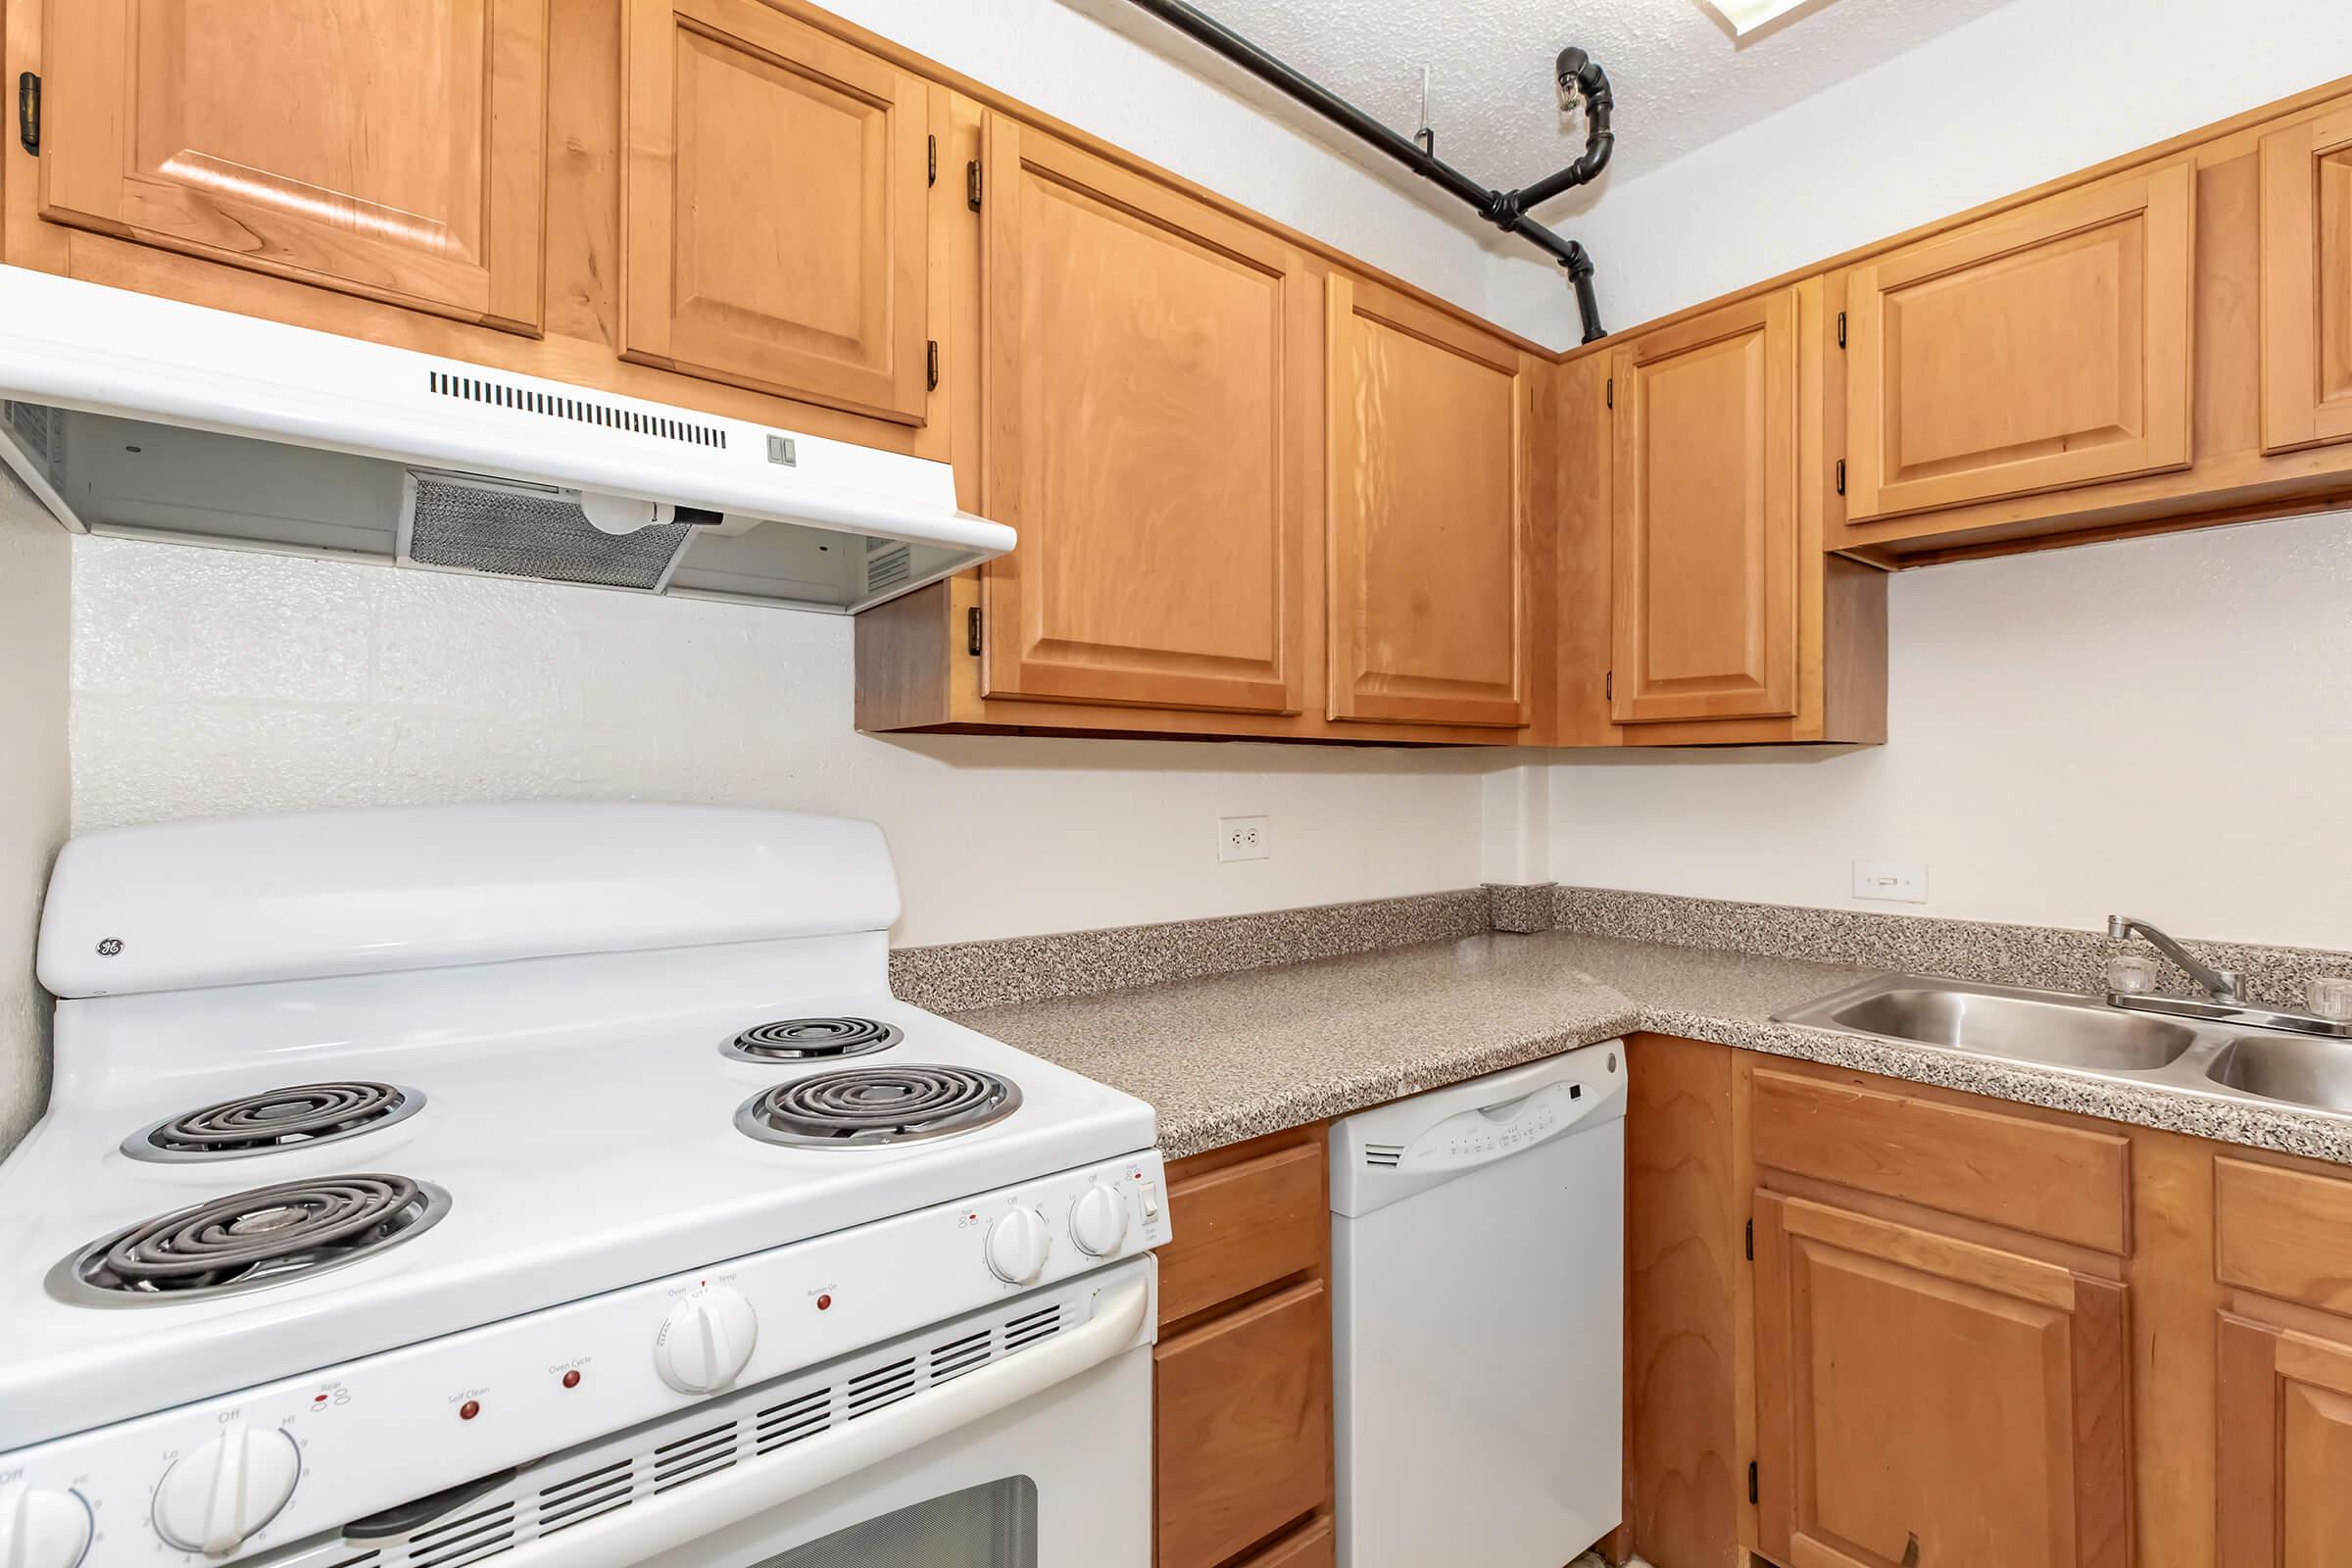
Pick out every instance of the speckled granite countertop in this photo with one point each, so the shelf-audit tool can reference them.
(1238, 1056)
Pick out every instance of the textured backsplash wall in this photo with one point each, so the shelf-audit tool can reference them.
(211, 682)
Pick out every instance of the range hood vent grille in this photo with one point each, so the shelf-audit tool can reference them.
(887, 564)
(465, 524)
(584, 411)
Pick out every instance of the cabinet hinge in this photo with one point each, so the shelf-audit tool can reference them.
(931, 168)
(28, 112)
(971, 631)
(931, 364)
(971, 184)
(1841, 477)
(1842, 329)
(1612, 392)
(1751, 1481)
(1751, 1241)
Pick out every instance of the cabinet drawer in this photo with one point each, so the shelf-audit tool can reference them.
(2063, 1183)
(2284, 1233)
(1244, 1431)
(1240, 1226)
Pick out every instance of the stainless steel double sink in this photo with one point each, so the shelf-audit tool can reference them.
(2087, 1035)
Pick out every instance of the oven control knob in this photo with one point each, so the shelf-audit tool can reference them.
(706, 1340)
(226, 1489)
(1018, 1245)
(1099, 1221)
(42, 1529)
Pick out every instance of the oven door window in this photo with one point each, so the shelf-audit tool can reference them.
(991, 1526)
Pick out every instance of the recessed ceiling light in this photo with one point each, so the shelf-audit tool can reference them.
(1746, 15)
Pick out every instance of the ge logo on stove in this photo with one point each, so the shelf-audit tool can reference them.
(109, 947)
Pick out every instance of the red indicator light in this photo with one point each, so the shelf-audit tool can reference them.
(469, 1409)
(572, 1379)
(823, 1301)
(317, 1398)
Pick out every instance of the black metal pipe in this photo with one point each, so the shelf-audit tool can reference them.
(1505, 210)
(1578, 72)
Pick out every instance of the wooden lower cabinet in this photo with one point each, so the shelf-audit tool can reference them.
(1925, 1400)
(1244, 1413)
(1948, 1331)
(2285, 1447)
(1241, 1404)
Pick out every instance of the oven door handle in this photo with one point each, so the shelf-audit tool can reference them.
(644, 1529)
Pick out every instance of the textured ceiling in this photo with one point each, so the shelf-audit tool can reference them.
(1681, 79)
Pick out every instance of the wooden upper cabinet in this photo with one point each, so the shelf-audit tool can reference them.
(1427, 569)
(1704, 515)
(391, 148)
(2283, 1447)
(1923, 1400)
(2046, 348)
(1151, 407)
(2307, 283)
(773, 223)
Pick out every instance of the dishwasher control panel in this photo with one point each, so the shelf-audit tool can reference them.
(1379, 1155)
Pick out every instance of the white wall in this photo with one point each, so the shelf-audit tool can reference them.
(34, 564)
(2031, 91)
(209, 682)
(1056, 55)
(2158, 725)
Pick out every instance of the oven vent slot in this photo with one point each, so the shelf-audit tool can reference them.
(463, 1540)
(1384, 1156)
(699, 1454)
(584, 1497)
(884, 1385)
(1022, 1332)
(959, 1357)
(355, 1562)
(794, 1419)
(584, 411)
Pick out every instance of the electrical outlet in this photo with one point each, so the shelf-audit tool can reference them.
(1244, 838)
(1893, 881)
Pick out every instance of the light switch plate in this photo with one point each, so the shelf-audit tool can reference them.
(1893, 881)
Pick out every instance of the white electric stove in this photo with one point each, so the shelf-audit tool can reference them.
(407, 1171)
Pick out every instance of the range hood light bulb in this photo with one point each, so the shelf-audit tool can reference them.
(623, 516)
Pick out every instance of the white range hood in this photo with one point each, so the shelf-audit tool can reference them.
(133, 414)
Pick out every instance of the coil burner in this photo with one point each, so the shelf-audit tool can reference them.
(873, 1108)
(812, 1039)
(250, 1239)
(293, 1117)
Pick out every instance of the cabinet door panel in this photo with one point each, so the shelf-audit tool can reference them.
(773, 225)
(1927, 1400)
(392, 148)
(1243, 1428)
(2307, 283)
(1705, 510)
(2046, 348)
(2284, 1448)
(1151, 435)
(1428, 558)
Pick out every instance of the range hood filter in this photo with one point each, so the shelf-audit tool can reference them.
(458, 523)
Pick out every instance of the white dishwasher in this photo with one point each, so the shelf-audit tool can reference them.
(1478, 1315)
